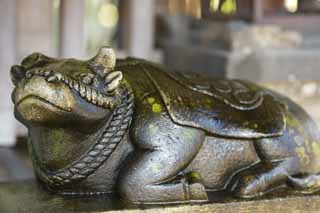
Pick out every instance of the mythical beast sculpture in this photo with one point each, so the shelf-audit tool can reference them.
(129, 126)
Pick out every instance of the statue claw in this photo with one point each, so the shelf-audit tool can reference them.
(54, 77)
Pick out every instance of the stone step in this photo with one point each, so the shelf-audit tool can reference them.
(27, 196)
(276, 64)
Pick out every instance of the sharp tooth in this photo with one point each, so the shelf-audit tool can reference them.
(71, 83)
(94, 96)
(59, 76)
(100, 99)
(88, 93)
(76, 86)
(47, 72)
(52, 78)
(105, 102)
(82, 90)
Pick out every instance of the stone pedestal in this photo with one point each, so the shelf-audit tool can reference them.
(239, 50)
(27, 196)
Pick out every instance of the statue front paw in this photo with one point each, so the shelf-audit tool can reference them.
(197, 192)
(193, 188)
(248, 187)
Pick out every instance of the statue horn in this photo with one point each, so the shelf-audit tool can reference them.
(107, 58)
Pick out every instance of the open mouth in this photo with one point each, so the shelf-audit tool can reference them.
(41, 100)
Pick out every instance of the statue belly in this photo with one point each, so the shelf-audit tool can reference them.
(219, 159)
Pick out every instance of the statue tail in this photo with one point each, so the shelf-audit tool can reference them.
(308, 184)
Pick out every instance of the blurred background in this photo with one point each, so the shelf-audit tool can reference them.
(272, 42)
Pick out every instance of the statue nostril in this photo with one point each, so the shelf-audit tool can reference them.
(17, 73)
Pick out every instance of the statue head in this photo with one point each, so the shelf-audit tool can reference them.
(70, 107)
(66, 92)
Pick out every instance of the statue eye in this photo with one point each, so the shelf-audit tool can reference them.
(87, 78)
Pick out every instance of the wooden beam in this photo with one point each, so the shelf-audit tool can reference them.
(72, 29)
(141, 28)
(257, 10)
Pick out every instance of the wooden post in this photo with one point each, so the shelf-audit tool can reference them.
(72, 29)
(124, 24)
(35, 28)
(257, 10)
(141, 28)
(7, 58)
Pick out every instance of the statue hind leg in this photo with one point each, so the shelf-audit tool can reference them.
(288, 157)
(257, 184)
(285, 173)
(307, 184)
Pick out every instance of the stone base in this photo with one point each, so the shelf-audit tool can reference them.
(252, 52)
(28, 197)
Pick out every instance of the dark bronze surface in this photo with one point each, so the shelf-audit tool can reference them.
(154, 136)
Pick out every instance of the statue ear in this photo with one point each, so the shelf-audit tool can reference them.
(106, 58)
(113, 80)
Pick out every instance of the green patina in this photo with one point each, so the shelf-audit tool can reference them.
(292, 121)
(315, 148)
(194, 177)
(151, 100)
(303, 155)
(156, 108)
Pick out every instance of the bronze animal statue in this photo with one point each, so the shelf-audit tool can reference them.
(129, 126)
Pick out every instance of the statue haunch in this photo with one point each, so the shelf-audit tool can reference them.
(130, 127)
